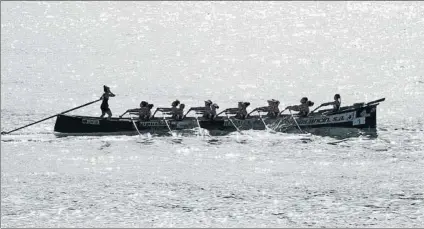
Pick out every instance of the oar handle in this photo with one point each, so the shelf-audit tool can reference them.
(51, 117)
(123, 114)
(221, 112)
(157, 109)
(186, 113)
(256, 109)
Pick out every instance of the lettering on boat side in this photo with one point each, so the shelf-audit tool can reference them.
(311, 121)
(337, 118)
(308, 121)
(153, 123)
(91, 121)
(358, 121)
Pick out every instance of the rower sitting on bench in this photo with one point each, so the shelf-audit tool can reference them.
(336, 103)
(272, 108)
(177, 113)
(204, 111)
(303, 108)
(144, 112)
(240, 112)
(208, 111)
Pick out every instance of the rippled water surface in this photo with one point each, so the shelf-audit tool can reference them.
(55, 56)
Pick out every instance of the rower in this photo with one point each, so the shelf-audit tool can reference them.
(143, 112)
(205, 110)
(210, 109)
(303, 108)
(336, 103)
(146, 112)
(149, 107)
(179, 113)
(174, 110)
(241, 110)
(272, 108)
(212, 113)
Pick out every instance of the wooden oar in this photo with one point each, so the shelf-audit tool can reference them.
(283, 111)
(51, 117)
(234, 124)
(259, 109)
(376, 101)
(187, 113)
(166, 122)
(316, 108)
(157, 109)
(266, 127)
(256, 109)
(123, 113)
(135, 125)
(294, 119)
(221, 112)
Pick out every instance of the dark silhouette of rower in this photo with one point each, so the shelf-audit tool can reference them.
(241, 110)
(303, 108)
(336, 103)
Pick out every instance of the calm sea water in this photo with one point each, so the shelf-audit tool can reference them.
(58, 55)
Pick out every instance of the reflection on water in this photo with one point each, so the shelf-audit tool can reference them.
(177, 140)
(214, 141)
(146, 141)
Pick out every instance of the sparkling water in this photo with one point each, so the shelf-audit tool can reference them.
(58, 55)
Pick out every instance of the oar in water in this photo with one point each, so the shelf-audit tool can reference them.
(166, 122)
(201, 132)
(295, 121)
(136, 128)
(234, 124)
(259, 113)
(277, 126)
(197, 121)
(50, 117)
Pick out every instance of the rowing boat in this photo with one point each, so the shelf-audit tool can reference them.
(358, 116)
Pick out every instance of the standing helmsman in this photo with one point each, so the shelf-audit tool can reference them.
(105, 105)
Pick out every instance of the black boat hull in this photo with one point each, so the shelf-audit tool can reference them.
(354, 118)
